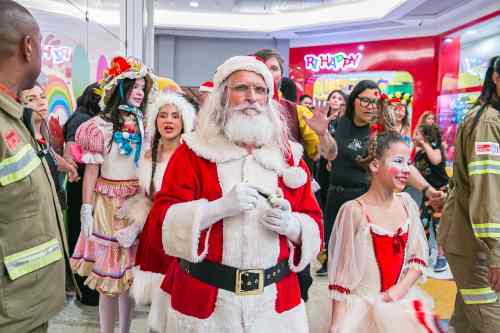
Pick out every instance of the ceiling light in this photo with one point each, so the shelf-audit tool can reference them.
(194, 4)
(361, 47)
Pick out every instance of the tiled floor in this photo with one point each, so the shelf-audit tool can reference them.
(84, 319)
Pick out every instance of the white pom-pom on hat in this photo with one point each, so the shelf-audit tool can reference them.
(294, 177)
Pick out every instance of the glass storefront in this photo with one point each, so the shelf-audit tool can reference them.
(464, 57)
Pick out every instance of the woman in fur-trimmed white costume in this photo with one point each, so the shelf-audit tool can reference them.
(168, 117)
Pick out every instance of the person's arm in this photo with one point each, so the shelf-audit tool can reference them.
(399, 290)
(318, 122)
(328, 146)
(434, 155)
(89, 181)
(338, 312)
(345, 260)
(482, 160)
(434, 197)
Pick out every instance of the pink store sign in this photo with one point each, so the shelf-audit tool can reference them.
(56, 54)
(335, 62)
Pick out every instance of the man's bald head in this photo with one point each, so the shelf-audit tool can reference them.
(20, 42)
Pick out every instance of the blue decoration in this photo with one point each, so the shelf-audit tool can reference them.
(124, 139)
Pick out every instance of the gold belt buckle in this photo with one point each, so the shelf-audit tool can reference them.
(249, 282)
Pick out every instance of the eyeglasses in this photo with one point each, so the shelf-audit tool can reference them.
(366, 102)
(244, 89)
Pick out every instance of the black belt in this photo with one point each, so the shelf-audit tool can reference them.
(238, 281)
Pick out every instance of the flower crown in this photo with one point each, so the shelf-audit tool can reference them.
(119, 69)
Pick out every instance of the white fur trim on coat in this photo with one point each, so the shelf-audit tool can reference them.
(158, 313)
(310, 242)
(185, 108)
(145, 285)
(219, 149)
(294, 176)
(181, 230)
(244, 63)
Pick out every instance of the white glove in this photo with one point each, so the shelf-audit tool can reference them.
(86, 219)
(127, 236)
(242, 198)
(281, 220)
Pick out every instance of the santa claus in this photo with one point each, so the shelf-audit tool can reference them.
(238, 213)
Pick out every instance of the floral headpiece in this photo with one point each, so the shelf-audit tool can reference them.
(124, 68)
(392, 100)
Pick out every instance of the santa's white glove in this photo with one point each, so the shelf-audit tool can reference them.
(127, 236)
(280, 219)
(86, 219)
(243, 197)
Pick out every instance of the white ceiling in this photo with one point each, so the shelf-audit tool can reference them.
(246, 6)
(302, 21)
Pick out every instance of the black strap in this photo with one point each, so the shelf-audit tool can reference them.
(224, 277)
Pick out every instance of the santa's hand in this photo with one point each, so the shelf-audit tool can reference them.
(282, 222)
(243, 197)
(127, 236)
(86, 219)
(281, 203)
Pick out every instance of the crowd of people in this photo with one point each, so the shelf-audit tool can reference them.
(211, 211)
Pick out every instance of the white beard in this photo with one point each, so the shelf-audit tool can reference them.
(251, 130)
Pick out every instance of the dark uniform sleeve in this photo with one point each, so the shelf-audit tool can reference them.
(483, 167)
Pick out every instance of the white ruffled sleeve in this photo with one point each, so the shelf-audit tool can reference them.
(346, 254)
(417, 249)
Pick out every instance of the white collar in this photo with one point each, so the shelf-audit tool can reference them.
(220, 150)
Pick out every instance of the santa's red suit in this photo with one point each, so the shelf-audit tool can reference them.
(199, 172)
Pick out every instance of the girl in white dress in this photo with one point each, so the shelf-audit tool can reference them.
(379, 252)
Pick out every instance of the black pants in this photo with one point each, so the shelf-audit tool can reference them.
(337, 196)
(305, 282)
(74, 190)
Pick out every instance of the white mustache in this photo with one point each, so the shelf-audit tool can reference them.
(248, 106)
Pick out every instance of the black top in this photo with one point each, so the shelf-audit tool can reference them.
(352, 142)
(74, 121)
(434, 174)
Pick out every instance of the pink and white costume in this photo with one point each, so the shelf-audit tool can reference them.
(107, 264)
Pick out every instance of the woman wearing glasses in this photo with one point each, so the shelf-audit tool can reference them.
(349, 144)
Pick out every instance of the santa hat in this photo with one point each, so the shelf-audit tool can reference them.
(185, 108)
(244, 63)
(207, 86)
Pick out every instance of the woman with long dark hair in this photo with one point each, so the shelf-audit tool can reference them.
(87, 106)
(110, 146)
(469, 227)
(349, 145)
